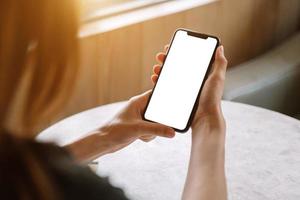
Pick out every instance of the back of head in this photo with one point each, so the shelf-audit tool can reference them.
(38, 61)
(38, 66)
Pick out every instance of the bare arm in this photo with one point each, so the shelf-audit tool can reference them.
(206, 176)
(124, 128)
(206, 173)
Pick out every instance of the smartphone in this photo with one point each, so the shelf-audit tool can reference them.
(174, 98)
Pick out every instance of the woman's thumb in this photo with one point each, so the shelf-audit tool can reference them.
(146, 128)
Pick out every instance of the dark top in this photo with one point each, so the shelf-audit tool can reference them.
(19, 160)
(76, 181)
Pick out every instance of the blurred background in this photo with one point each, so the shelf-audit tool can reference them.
(120, 38)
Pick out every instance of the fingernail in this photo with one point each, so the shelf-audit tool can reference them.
(222, 49)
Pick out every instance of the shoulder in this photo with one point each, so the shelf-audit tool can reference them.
(77, 181)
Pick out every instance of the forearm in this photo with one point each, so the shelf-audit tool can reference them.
(90, 147)
(206, 175)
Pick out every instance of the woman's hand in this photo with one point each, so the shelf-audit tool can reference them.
(206, 176)
(209, 107)
(128, 125)
(123, 129)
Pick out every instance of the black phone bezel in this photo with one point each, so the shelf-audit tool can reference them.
(195, 34)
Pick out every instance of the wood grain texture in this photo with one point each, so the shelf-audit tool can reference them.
(118, 64)
(288, 19)
(156, 34)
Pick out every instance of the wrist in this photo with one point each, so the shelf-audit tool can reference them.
(209, 134)
(209, 123)
(104, 139)
(94, 145)
(208, 141)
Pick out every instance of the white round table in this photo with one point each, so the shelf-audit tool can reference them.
(262, 155)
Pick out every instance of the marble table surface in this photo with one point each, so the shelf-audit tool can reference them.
(262, 155)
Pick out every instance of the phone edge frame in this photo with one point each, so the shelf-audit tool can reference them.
(194, 110)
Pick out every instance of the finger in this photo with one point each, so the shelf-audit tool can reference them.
(154, 78)
(156, 69)
(167, 47)
(160, 57)
(141, 99)
(147, 138)
(146, 128)
(219, 72)
(214, 86)
(220, 63)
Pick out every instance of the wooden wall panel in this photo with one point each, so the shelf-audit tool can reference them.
(110, 69)
(103, 73)
(237, 25)
(288, 19)
(124, 63)
(84, 96)
(155, 35)
(264, 19)
(205, 19)
(229, 21)
(117, 64)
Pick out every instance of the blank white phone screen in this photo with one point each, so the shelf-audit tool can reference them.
(180, 80)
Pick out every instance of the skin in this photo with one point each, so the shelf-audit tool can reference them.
(206, 175)
(123, 129)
